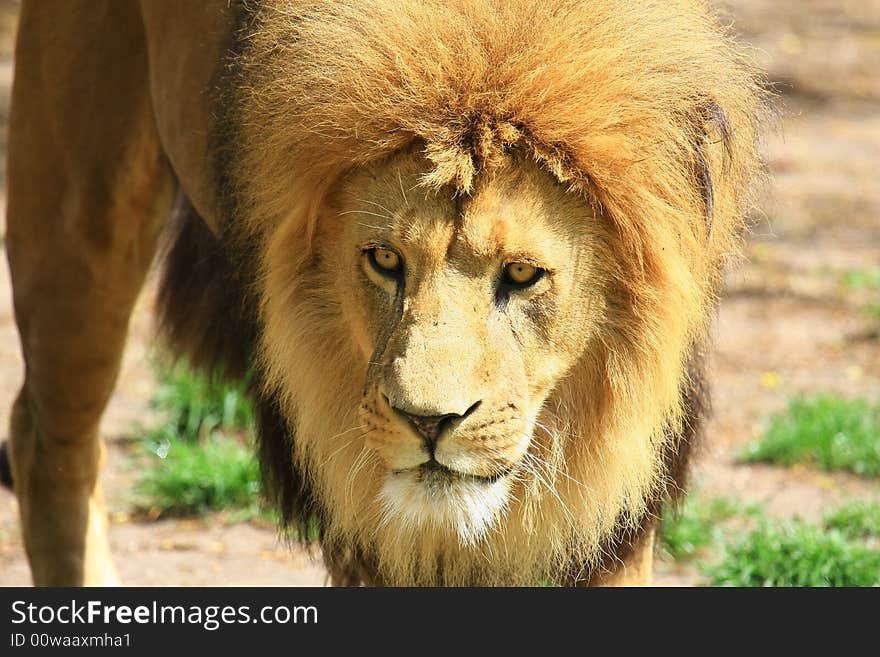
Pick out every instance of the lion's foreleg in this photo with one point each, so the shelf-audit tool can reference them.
(87, 184)
(60, 503)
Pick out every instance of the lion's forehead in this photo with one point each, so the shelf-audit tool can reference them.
(518, 213)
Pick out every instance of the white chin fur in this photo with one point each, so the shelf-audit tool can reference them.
(467, 507)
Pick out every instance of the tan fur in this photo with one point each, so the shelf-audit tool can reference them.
(88, 183)
(612, 100)
(465, 133)
(635, 570)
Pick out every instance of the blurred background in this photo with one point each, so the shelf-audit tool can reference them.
(787, 486)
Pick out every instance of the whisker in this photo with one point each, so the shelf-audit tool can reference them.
(342, 433)
(403, 193)
(558, 470)
(345, 446)
(360, 462)
(378, 205)
(373, 214)
(530, 459)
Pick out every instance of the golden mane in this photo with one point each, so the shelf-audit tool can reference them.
(648, 110)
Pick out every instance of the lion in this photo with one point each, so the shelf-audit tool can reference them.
(468, 249)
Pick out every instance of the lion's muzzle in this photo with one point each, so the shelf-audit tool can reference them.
(483, 443)
(431, 427)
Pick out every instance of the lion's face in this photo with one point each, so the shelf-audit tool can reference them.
(466, 312)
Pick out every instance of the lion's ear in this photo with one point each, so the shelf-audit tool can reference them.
(711, 154)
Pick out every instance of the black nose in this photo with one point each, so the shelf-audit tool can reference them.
(430, 427)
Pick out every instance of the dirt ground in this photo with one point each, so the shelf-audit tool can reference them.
(785, 325)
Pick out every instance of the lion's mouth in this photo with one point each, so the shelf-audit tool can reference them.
(433, 472)
(434, 495)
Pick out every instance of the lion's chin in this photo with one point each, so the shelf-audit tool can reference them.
(424, 499)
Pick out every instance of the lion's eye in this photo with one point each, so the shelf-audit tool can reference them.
(385, 261)
(522, 274)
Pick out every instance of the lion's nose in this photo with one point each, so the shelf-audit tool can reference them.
(431, 427)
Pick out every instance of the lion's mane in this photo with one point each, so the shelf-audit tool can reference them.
(648, 110)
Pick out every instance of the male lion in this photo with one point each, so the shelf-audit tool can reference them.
(469, 248)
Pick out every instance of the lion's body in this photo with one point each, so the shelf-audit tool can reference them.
(607, 144)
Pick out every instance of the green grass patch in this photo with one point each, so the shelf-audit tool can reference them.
(862, 279)
(855, 520)
(796, 554)
(199, 458)
(867, 282)
(196, 405)
(825, 431)
(698, 525)
(708, 533)
(186, 478)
